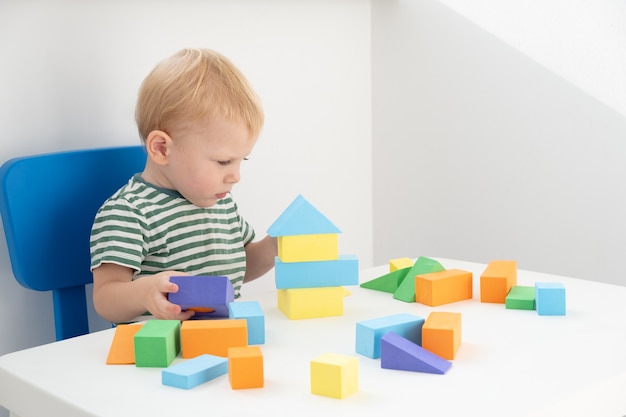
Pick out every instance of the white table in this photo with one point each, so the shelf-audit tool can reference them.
(510, 363)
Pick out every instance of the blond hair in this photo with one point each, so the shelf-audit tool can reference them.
(193, 85)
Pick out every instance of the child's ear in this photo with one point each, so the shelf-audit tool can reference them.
(158, 146)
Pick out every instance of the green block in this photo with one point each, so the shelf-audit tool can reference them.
(406, 289)
(520, 298)
(388, 282)
(157, 343)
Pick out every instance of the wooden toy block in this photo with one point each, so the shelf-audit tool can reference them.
(193, 372)
(301, 218)
(388, 282)
(213, 337)
(397, 352)
(520, 298)
(342, 271)
(369, 332)
(253, 314)
(497, 280)
(550, 298)
(441, 334)
(443, 287)
(122, 351)
(406, 289)
(334, 375)
(307, 303)
(208, 296)
(308, 248)
(245, 367)
(400, 263)
(157, 343)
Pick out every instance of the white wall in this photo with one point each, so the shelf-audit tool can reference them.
(481, 152)
(70, 72)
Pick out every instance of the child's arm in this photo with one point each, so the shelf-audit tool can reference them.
(260, 257)
(118, 298)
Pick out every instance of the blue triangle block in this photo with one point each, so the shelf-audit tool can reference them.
(301, 218)
(397, 352)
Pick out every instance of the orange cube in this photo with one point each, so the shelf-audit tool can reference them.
(497, 280)
(441, 334)
(213, 337)
(443, 287)
(245, 367)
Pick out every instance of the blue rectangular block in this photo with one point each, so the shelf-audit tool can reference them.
(193, 372)
(550, 298)
(369, 332)
(208, 296)
(337, 273)
(250, 311)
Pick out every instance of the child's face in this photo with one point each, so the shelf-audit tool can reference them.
(204, 159)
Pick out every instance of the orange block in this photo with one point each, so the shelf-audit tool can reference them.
(443, 287)
(245, 367)
(213, 337)
(441, 334)
(497, 280)
(122, 351)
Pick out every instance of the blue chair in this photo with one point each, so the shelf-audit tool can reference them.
(48, 203)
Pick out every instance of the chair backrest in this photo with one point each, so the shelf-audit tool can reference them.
(48, 203)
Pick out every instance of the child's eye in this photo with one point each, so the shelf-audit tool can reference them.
(223, 163)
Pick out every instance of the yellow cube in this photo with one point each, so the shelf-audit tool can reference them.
(308, 248)
(307, 303)
(400, 263)
(334, 375)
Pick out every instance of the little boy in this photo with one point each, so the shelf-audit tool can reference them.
(198, 119)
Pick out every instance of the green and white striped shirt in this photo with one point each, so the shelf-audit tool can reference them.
(151, 229)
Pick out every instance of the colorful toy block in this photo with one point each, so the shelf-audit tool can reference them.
(441, 334)
(520, 298)
(253, 314)
(306, 248)
(497, 280)
(334, 375)
(343, 271)
(193, 372)
(307, 303)
(157, 343)
(245, 367)
(406, 289)
(400, 263)
(122, 350)
(213, 337)
(301, 218)
(388, 282)
(208, 296)
(369, 332)
(443, 287)
(550, 298)
(397, 352)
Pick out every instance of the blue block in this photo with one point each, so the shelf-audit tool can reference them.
(369, 332)
(316, 274)
(397, 352)
(550, 298)
(207, 295)
(250, 311)
(193, 372)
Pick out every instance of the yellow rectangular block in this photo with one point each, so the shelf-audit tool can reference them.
(441, 334)
(334, 375)
(306, 303)
(443, 287)
(245, 367)
(497, 280)
(308, 248)
(400, 263)
(213, 337)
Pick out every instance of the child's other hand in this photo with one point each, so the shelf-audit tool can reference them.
(156, 299)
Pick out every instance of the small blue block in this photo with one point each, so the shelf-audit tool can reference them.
(369, 332)
(207, 295)
(252, 312)
(193, 372)
(550, 298)
(316, 274)
(397, 352)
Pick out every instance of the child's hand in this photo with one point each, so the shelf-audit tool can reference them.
(156, 301)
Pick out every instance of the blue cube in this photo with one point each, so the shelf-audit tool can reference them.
(253, 314)
(550, 298)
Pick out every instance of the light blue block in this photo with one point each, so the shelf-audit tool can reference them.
(250, 311)
(193, 372)
(337, 273)
(550, 298)
(370, 332)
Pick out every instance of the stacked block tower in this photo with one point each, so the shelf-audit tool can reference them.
(310, 273)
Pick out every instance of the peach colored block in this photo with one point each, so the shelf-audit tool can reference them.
(213, 337)
(497, 280)
(122, 351)
(441, 334)
(245, 367)
(443, 287)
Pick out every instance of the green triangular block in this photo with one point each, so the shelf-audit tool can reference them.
(388, 282)
(406, 289)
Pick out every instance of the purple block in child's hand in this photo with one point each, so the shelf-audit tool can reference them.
(208, 296)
